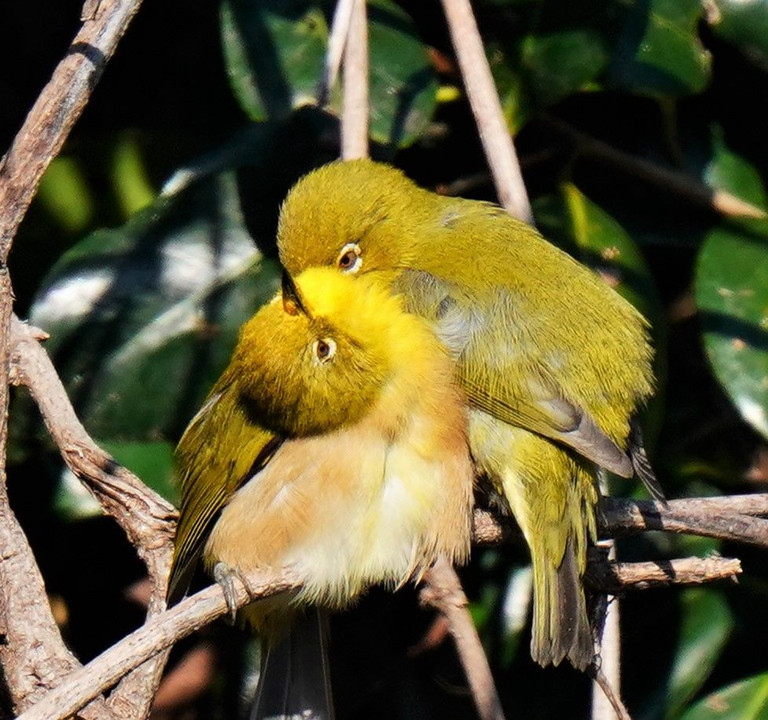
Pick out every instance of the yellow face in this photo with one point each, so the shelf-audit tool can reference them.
(316, 358)
(348, 215)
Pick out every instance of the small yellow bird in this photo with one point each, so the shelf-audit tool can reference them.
(335, 443)
(554, 363)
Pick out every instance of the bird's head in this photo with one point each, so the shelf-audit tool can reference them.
(356, 216)
(318, 356)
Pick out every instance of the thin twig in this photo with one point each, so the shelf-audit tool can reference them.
(621, 516)
(486, 108)
(735, 517)
(336, 42)
(615, 578)
(617, 706)
(608, 637)
(443, 591)
(603, 704)
(354, 117)
(680, 183)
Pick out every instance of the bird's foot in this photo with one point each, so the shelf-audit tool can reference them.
(225, 577)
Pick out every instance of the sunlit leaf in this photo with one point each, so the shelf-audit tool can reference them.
(129, 176)
(64, 192)
(745, 24)
(707, 624)
(732, 294)
(274, 50)
(744, 700)
(659, 52)
(589, 233)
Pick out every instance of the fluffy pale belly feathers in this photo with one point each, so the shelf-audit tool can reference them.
(348, 510)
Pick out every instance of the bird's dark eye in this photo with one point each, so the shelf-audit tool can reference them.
(324, 349)
(350, 258)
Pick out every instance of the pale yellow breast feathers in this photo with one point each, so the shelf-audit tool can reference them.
(375, 501)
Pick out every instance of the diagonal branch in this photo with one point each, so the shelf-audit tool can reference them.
(683, 184)
(342, 16)
(57, 109)
(442, 590)
(146, 518)
(158, 633)
(486, 108)
(33, 655)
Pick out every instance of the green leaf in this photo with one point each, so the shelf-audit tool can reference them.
(732, 296)
(544, 66)
(707, 624)
(732, 293)
(275, 52)
(129, 175)
(658, 52)
(559, 64)
(403, 90)
(744, 700)
(745, 24)
(143, 318)
(151, 461)
(65, 194)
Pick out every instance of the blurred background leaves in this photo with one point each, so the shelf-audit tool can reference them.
(152, 239)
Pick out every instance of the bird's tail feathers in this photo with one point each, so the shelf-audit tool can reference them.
(560, 621)
(295, 677)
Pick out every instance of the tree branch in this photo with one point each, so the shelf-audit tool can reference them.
(486, 108)
(145, 517)
(57, 109)
(33, 655)
(443, 591)
(700, 516)
(680, 183)
(337, 40)
(354, 119)
(615, 578)
(158, 633)
(202, 608)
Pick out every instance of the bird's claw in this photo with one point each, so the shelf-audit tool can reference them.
(225, 578)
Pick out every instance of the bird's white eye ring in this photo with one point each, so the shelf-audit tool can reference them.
(350, 258)
(324, 349)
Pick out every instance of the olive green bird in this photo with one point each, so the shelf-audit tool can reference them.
(554, 363)
(334, 443)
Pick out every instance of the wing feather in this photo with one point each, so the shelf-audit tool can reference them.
(220, 450)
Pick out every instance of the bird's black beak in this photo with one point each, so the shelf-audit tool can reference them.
(293, 303)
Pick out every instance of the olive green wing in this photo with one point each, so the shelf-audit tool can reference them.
(540, 404)
(545, 412)
(220, 451)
